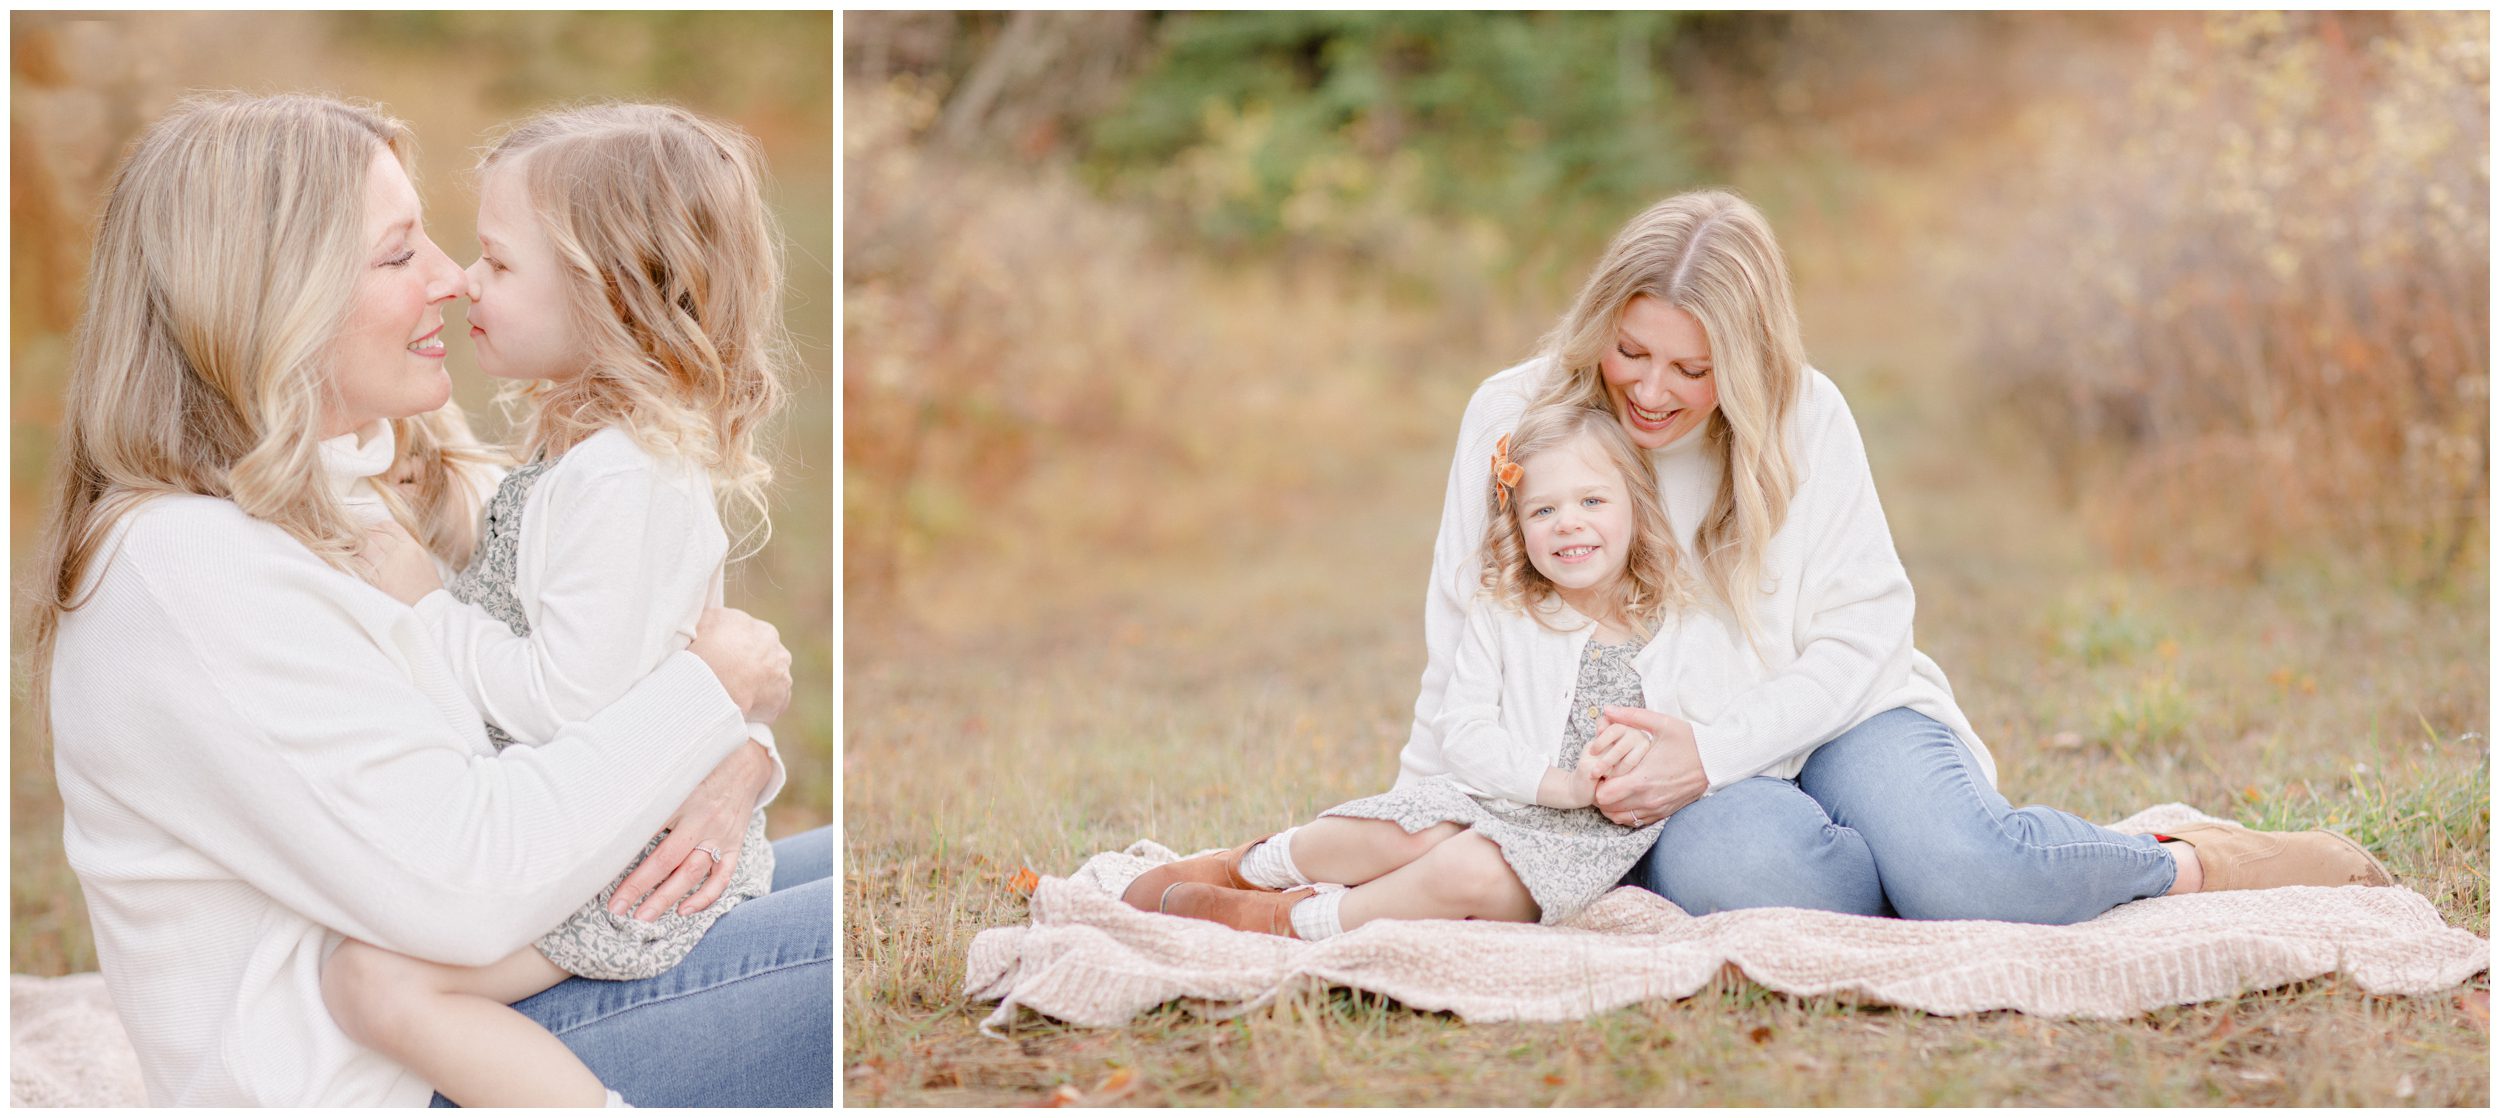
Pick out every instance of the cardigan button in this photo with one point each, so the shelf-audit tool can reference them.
(1592, 712)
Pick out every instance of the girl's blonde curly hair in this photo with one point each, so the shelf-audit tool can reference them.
(657, 216)
(1653, 577)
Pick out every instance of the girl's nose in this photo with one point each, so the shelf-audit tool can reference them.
(448, 281)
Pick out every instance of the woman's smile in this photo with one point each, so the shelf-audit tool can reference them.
(1649, 420)
(431, 345)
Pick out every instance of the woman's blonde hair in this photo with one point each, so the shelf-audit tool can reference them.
(1711, 255)
(657, 216)
(1653, 579)
(225, 262)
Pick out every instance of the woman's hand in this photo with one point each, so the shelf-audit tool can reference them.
(396, 564)
(1661, 780)
(677, 875)
(747, 657)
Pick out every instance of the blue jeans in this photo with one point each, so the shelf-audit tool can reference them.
(1893, 818)
(746, 1020)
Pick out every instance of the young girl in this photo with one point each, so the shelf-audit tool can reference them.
(629, 289)
(1578, 572)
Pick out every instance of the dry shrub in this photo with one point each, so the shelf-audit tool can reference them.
(2244, 302)
(1039, 388)
(960, 299)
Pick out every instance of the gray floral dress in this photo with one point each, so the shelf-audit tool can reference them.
(1566, 857)
(594, 943)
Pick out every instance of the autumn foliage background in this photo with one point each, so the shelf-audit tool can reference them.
(2168, 336)
(82, 86)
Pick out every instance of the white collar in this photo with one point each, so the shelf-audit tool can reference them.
(356, 457)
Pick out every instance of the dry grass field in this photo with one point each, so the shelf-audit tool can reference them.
(1191, 615)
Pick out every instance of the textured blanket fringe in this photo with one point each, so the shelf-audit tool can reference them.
(1087, 959)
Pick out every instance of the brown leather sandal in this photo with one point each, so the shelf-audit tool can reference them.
(2238, 858)
(1223, 870)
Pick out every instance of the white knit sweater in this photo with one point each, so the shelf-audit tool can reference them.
(1835, 626)
(258, 754)
(620, 551)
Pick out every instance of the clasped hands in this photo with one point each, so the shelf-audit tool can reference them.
(1641, 767)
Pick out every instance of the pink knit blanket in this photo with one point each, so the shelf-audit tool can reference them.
(1088, 959)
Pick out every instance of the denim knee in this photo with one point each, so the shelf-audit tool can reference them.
(1760, 843)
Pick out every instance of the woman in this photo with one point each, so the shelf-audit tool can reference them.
(1810, 756)
(259, 754)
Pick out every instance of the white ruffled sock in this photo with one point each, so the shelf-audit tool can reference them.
(1315, 916)
(1269, 865)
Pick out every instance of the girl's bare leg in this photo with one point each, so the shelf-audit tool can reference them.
(1460, 878)
(1345, 851)
(452, 1026)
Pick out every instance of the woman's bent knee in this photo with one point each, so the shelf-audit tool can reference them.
(1760, 843)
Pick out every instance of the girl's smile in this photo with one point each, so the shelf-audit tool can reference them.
(1576, 521)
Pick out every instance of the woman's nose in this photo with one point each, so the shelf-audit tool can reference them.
(448, 281)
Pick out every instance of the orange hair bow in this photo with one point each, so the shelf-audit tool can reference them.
(1506, 473)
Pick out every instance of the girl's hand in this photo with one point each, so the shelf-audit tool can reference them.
(396, 564)
(1658, 783)
(747, 656)
(1565, 789)
(1617, 748)
(676, 874)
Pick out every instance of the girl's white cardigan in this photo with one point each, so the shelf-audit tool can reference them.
(1834, 619)
(1511, 684)
(620, 551)
(258, 753)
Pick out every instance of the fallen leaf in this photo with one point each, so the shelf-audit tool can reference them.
(1120, 1084)
(1064, 1094)
(1024, 882)
(1761, 1034)
(2251, 794)
(1553, 1081)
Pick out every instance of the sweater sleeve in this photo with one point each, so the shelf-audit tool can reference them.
(266, 724)
(627, 565)
(1473, 743)
(1491, 413)
(1853, 618)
